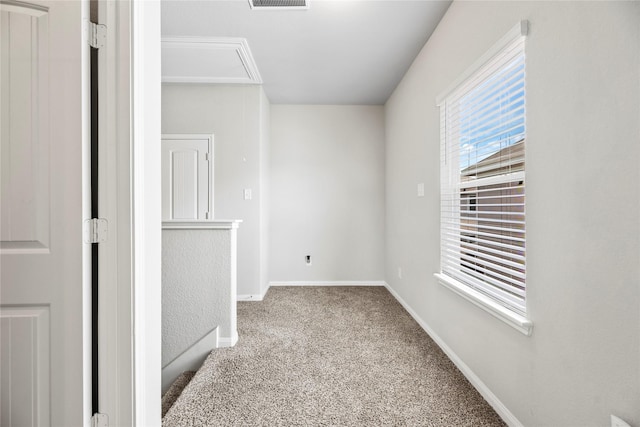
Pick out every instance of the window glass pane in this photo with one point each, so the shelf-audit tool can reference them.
(492, 118)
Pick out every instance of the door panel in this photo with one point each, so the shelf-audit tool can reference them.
(42, 153)
(24, 213)
(24, 366)
(184, 184)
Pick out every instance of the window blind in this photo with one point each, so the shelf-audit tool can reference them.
(483, 137)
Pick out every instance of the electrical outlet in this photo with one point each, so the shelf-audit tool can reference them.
(308, 259)
(247, 194)
(399, 272)
(421, 189)
(618, 422)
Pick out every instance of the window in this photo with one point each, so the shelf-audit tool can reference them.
(483, 135)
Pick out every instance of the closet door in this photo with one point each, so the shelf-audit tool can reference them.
(187, 177)
(44, 351)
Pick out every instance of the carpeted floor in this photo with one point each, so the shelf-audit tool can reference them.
(329, 356)
(171, 395)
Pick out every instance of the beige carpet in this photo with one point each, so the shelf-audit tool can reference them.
(329, 356)
(171, 395)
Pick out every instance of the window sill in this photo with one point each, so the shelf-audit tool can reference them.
(516, 321)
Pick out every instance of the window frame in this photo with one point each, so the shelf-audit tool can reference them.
(479, 294)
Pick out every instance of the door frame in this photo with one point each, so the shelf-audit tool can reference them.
(147, 221)
(130, 259)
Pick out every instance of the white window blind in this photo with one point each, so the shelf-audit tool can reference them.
(483, 177)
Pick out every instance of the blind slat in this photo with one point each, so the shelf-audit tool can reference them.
(477, 273)
(483, 237)
(504, 179)
(488, 112)
(480, 273)
(505, 257)
(471, 255)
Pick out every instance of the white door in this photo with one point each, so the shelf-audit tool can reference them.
(187, 177)
(43, 361)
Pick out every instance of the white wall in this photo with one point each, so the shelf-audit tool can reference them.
(327, 193)
(234, 115)
(198, 272)
(265, 135)
(582, 362)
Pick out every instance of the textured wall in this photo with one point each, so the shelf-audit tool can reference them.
(583, 218)
(327, 193)
(233, 114)
(197, 287)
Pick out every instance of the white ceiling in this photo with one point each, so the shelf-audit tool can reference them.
(208, 60)
(336, 52)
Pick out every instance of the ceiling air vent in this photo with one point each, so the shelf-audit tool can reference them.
(279, 4)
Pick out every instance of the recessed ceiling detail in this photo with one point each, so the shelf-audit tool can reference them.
(279, 4)
(208, 60)
(349, 52)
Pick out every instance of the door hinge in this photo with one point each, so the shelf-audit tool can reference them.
(206, 215)
(95, 230)
(96, 34)
(207, 157)
(100, 420)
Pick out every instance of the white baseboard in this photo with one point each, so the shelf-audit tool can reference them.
(189, 360)
(330, 283)
(504, 413)
(228, 341)
(260, 297)
(253, 297)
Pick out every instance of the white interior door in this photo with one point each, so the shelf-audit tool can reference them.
(43, 357)
(187, 177)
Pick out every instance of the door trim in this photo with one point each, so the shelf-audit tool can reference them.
(147, 223)
(130, 317)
